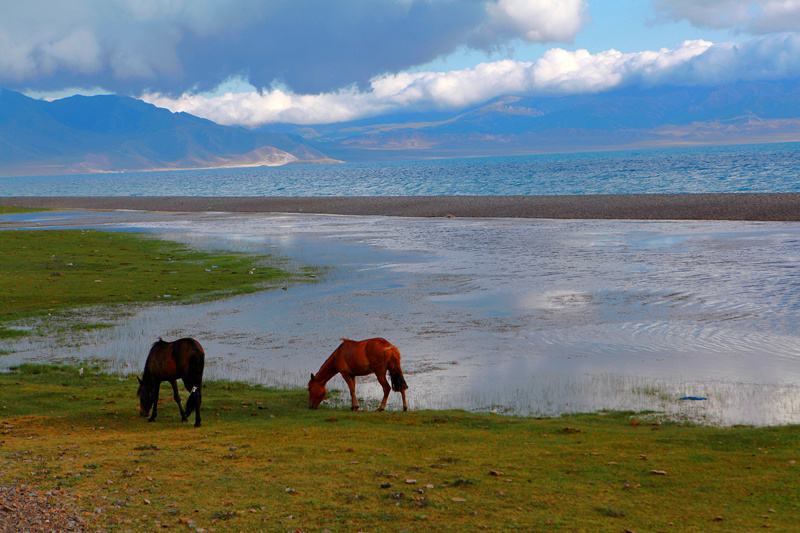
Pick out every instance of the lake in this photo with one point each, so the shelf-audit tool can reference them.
(528, 317)
(744, 168)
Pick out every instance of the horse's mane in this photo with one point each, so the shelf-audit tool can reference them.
(159, 341)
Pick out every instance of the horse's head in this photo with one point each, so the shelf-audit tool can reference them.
(146, 398)
(316, 392)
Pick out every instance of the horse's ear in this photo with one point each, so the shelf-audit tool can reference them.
(312, 377)
(139, 379)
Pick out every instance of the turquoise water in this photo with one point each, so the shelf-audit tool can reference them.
(744, 168)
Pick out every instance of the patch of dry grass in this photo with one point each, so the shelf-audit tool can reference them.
(263, 462)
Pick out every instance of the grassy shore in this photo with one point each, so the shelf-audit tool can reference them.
(53, 272)
(263, 462)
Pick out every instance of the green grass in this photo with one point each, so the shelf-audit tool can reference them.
(7, 210)
(10, 333)
(263, 462)
(50, 272)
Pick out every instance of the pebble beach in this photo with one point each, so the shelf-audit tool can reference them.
(726, 206)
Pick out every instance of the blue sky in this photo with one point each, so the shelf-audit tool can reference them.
(252, 63)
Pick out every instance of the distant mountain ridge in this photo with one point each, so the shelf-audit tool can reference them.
(110, 133)
(114, 133)
(745, 112)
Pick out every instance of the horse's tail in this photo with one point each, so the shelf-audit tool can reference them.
(395, 372)
(195, 359)
(194, 400)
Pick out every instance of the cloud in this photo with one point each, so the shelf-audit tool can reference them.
(173, 46)
(757, 17)
(537, 22)
(557, 72)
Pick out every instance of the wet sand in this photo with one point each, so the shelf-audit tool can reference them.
(735, 206)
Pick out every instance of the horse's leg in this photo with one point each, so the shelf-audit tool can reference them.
(405, 404)
(177, 397)
(386, 388)
(351, 382)
(155, 403)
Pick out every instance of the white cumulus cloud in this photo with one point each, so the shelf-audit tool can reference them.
(538, 21)
(557, 72)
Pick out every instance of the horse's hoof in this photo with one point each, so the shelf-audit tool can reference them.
(197, 424)
(151, 419)
(405, 409)
(354, 408)
(380, 409)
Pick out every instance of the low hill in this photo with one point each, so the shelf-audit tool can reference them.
(84, 134)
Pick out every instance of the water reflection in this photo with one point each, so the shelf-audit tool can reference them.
(521, 316)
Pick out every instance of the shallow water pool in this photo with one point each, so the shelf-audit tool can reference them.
(530, 317)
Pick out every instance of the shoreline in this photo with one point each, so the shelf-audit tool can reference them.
(705, 206)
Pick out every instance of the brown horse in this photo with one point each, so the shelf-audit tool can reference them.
(183, 359)
(360, 358)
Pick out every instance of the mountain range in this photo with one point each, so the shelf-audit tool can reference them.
(83, 134)
(632, 118)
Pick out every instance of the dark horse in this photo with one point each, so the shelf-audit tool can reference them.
(360, 358)
(170, 361)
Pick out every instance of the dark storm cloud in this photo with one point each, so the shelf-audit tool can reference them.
(173, 46)
(752, 16)
(318, 46)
